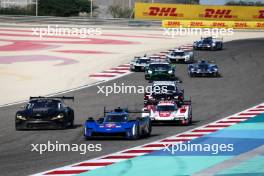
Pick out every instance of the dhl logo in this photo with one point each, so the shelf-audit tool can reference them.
(196, 23)
(163, 11)
(174, 23)
(241, 25)
(260, 14)
(260, 25)
(219, 24)
(217, 13)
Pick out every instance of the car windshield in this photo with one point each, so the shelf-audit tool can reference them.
(116, 118)
(159, 66)
(178, 54)
(207, 41)
(43, 104)
(203, 66)
(143, 61)
(166, 108)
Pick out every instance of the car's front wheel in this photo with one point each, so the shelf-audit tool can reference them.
(135, 132)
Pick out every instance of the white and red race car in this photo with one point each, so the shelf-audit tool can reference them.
(169, 111)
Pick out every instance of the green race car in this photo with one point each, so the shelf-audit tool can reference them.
(160, 71)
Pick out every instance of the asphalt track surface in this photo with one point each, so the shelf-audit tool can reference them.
(241, 86)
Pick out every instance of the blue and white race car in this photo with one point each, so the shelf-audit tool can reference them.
(208, 43)
(118, 123)
(203, 68)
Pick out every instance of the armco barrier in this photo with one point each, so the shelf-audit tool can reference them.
(212, 24)
(159, 11)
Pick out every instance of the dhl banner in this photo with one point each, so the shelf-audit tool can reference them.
(197, 12)
(212, 24)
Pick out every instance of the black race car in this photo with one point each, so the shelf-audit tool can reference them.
(164, 90)
(208, 43)
(45, 113)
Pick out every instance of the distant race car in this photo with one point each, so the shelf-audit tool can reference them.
(208, 43)
(118, 123)
(203, 68)
(180, 56)
(164, 90)
(160, 71)
(139, 63)
(45, 113)
(170, 111)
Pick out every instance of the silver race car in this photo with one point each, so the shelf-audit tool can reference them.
(139, 63)
(180, 56)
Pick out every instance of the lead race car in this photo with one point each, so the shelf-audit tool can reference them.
(208, 43)
(118, 123)
(180, 56)
(203, 68)
(45, 113)
(139, 63)
(169, 111)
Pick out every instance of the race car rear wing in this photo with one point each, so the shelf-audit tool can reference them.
(118, 109)
(214, 38)
(43, 97)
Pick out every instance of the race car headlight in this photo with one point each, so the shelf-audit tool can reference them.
(149, 72)
(60, 116)
(20, 117)
(170, 71)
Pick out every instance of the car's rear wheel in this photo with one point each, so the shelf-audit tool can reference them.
(149, 129)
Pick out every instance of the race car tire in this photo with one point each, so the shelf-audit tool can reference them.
(71, 124)
(137, 133)
(17, 128)
(149, 129)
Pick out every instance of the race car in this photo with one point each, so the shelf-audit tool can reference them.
(170, 111)
(139, 63)
(180, 56)
(164, 90)
(45, 113)
(203, 68)
(118, 122)
(160, 71)
(208, 43)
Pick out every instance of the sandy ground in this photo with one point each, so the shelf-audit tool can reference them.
(21, 77)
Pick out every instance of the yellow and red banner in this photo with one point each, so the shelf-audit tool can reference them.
(197, 12)
(212, 24)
